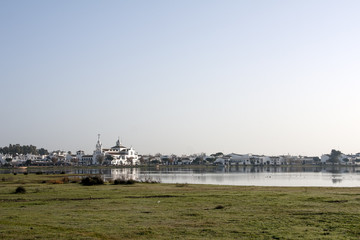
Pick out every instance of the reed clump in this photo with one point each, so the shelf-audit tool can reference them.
(92, 180)
(20, 190)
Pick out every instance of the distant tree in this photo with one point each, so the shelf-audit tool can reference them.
(43, 151)
(75, 160)
(218, 154)
(54, 160)
(142, 160)
(100, 159)
(197, 160)
(130, 161)
(335, 156)
(8, 160)
(346, 160)
(15, 149)
(108, 159)
(32, 150)
(28, 162)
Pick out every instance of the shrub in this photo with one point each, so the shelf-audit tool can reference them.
(39, 173)
(131, 181)
(124, 181)
(120, 181)
(92, 180)
(26, 173)
(14, 173)
(20, 190)
(65, 180)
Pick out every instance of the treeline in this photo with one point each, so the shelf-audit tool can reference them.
(15, 149)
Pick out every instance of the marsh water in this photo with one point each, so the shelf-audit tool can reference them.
(323, 176)
(251, 176)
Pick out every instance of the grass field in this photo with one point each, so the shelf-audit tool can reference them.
(51, 210)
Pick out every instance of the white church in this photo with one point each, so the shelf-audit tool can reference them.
(116, 155)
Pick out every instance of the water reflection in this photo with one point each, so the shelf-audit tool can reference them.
(127, 173)
(336, 180)
(326, 176)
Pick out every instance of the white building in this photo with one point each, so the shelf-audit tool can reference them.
(238, 159)
(221, 160)
(249, 159)
(117, 155)
(3, 158)
(121, 155)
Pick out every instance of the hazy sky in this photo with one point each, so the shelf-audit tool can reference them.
(261, 77)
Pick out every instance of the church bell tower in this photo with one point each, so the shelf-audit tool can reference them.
(98, 146)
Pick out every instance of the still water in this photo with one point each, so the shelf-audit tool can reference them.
(287, 176)
(250, 176)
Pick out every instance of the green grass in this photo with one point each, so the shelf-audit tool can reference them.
(173, 211)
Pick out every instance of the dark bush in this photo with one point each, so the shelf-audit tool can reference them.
(65, 180)
(119, 181)
(20, 190)
(39, 173)
(123, 181)
(25, 173)
(130, 181)
(14, 173)
(92, 180)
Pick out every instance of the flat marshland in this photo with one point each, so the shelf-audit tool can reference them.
(58, 207)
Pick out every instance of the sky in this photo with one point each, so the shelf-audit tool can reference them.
(181, 77)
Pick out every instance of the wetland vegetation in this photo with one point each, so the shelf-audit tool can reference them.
(57, 206)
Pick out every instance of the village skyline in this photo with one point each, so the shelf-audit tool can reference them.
(32, 148)
(120, 155)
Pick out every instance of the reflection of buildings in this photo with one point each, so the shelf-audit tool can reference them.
(117, 155)
(127, 173)
(336, 177)
(336, 180)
